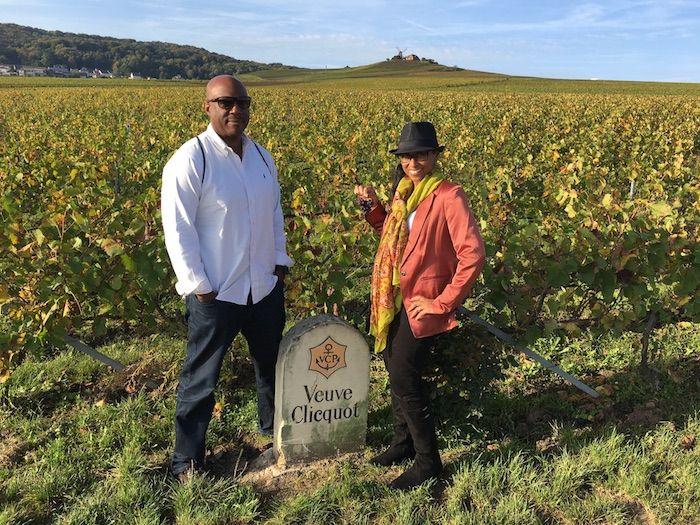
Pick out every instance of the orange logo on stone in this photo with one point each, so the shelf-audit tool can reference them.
(328, 357)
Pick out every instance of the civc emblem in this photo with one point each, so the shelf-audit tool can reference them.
(328, 357)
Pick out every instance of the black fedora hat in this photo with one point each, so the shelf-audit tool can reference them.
(416, 137)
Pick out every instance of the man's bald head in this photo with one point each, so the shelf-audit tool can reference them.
(227, 113)
(225, 86)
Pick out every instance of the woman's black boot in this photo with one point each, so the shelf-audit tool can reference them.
(401, 446)
(394, 455)
(424, 467)
(427, 462)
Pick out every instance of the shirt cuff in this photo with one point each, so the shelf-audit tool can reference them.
(201, 287)
(282, 259)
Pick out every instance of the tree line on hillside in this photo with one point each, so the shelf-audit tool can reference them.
(21, 45)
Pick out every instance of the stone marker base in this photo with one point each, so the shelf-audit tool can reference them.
(268, 468)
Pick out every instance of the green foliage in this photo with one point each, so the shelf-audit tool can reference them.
(548, 177)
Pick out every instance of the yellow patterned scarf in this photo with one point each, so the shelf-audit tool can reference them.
(386, 294)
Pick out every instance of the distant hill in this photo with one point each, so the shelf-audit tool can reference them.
(388, 74)
(378, 69)
(21, 45)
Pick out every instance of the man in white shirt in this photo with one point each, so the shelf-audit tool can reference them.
(224, 232)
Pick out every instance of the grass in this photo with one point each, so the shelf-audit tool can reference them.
(80, 444)
(389, 76)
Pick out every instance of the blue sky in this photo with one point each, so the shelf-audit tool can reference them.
(616, 39)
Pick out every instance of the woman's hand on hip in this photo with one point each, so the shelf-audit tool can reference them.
(421, 307)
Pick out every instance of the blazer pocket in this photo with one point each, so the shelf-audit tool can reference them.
(434, 277)
(431, 285)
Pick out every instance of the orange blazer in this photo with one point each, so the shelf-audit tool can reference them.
(443, 258)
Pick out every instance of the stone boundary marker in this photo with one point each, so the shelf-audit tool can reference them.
(321, 389)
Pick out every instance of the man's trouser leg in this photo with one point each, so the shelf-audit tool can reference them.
(211, 328)
(263, 331)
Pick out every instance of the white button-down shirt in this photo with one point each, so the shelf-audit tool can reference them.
(224, 229)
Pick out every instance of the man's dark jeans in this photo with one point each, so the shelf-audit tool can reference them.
(212, 328)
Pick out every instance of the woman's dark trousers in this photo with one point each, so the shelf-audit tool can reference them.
(414, 428)
(212, 328)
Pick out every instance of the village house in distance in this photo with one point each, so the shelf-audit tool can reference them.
(410, 58)
(11, 70)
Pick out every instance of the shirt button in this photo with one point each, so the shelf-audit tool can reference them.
(403, 274)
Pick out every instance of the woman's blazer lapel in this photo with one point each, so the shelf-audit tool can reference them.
(418, 222)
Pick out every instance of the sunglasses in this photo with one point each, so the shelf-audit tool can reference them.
(227, 103)
(419, 156)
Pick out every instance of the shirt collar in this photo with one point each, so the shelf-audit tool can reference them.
(219, 142)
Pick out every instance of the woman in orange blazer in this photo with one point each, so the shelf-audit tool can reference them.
(430, 254)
